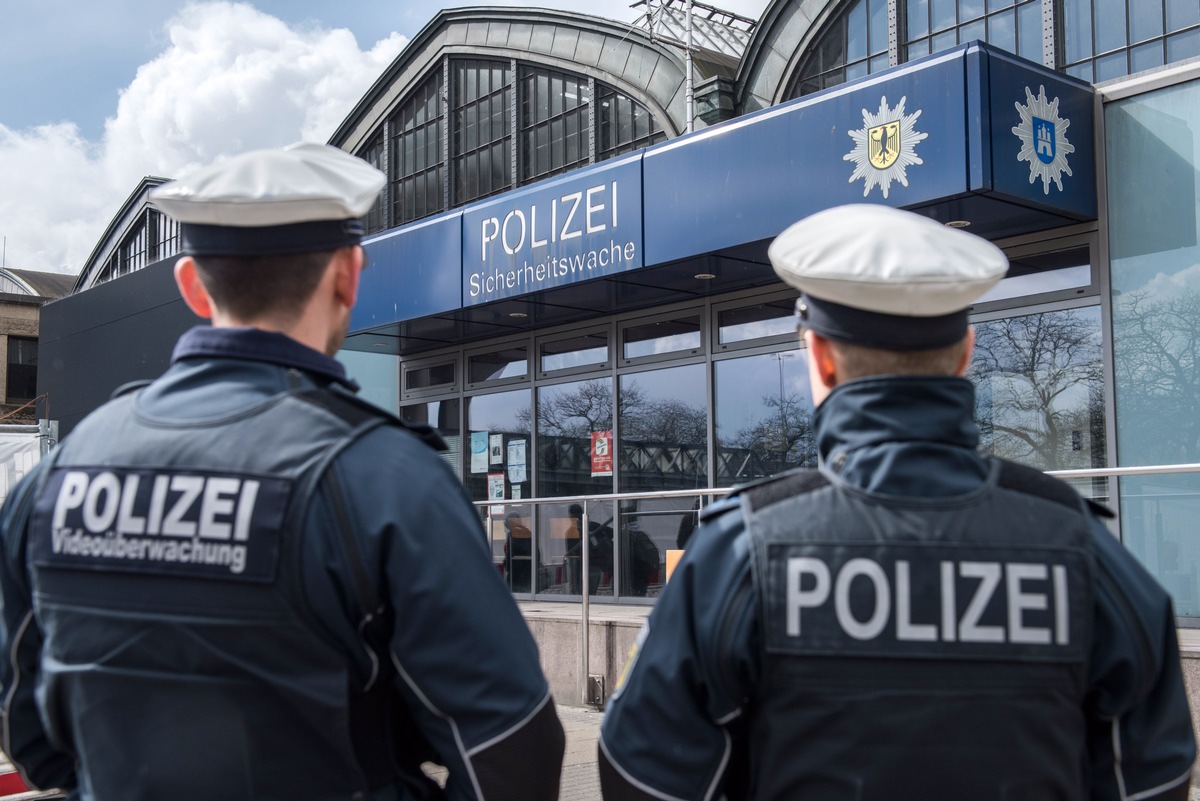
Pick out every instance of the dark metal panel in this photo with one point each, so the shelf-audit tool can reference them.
(589, 48)
(477, 32)
(615, 55)
(498, 33)
(565, 42)
(519, 35)
(542, 40)
(94, 342)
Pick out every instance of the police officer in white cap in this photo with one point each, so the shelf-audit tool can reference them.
(241, 582)
(911, 620)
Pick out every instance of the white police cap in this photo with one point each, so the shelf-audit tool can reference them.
(305, 197)
(886, 278)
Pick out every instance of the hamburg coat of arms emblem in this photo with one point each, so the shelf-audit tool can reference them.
(1043, 136)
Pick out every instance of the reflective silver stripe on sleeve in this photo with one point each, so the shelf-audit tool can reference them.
(412, 685)
(502, 737)
(12, 691)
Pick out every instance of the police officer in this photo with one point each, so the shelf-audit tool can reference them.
(911, 620)
(242, 582)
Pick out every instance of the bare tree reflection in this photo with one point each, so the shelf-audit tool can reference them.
(1157, 354)
(1040, 389)
(782, 439)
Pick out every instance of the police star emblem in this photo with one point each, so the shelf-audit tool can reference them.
(885, 147)
(1043, 137)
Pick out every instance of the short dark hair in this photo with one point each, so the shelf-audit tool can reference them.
(859, 361)
(248, 287)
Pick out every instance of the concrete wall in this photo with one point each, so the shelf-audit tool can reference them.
(556, 629)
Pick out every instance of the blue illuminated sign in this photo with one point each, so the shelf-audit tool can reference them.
(575, 228)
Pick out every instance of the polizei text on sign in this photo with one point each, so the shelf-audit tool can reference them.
(567, 231)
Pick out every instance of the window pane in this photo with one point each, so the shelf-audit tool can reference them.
(1039, 389)
(763, 416)
(1002, 31)
(499, 448)
(1029, 28)
(427, 377)
(1114, 66)
(1146, 56)
(972, 31)
(1145, 22)
(377, 374)
(943, 14)
(648, 529)
(664, 336)
(493, 366)
(856, 38)
(22, 369)
(1110, 25)
(1183, 45)
(1153, 245)
(944, 41)
(969, 10)
(443, 416)
(879, 25)
(1182, 13)
(663, 429)
(756, 322)
(575, 424)
(1077, 29)
(918, 18)
(575, 457)
(581, 351)
(512, 546)
(918, 49)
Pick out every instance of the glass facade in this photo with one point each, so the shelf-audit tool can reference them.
(1096, 40)
(1153, 140)
(447, 147)
(714, 394)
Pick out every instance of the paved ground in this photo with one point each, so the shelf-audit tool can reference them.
(580, 782)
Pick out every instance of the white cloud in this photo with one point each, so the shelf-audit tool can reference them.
(1176, 282)
(231, 79)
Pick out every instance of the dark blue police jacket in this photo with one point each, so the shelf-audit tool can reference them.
(241, 582)
(910, 621)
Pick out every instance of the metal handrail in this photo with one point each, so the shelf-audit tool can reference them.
(1098, 472)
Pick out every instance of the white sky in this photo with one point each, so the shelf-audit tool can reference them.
(95, 96)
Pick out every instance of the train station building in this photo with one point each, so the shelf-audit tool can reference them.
(568, 273)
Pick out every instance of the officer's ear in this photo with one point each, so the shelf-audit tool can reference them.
(192, 288)
(348, 266)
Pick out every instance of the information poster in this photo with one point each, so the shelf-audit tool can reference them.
(496, 451)
(602, 462)
(496, 490)
(516, 463)
(479, 451)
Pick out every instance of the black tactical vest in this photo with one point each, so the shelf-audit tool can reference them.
(181, 657)
(920, 648)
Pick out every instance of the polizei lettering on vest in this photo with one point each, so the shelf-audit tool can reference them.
(208, 507)
(154, 519)
(886, 600)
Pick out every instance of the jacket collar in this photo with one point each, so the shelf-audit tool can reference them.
(253, 344)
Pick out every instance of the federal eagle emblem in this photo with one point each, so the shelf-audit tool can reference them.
(885, 147)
